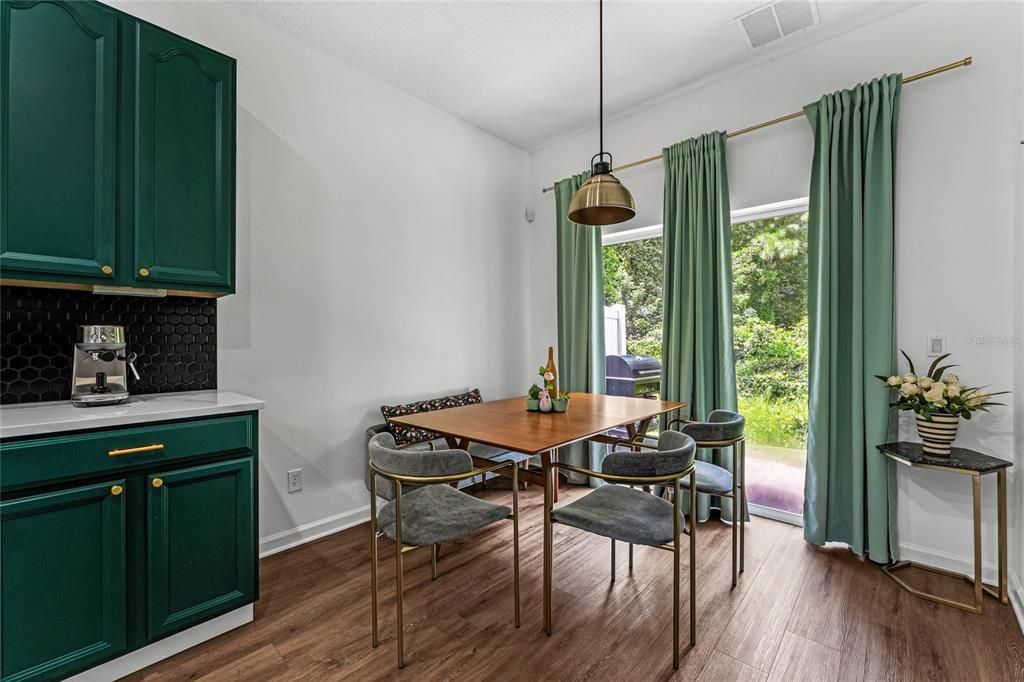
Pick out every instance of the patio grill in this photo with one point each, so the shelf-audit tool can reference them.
(634, 376)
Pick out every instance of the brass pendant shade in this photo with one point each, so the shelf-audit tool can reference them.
(602, 200)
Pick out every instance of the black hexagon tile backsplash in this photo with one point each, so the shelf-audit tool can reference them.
(175, 338)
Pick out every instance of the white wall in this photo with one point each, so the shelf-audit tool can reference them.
(1017, 489)
(380, 259)
(959, 186)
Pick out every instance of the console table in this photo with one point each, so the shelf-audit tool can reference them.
(970, 463)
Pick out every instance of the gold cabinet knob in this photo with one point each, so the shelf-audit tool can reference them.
(157, 482)
(107, 270)
(116, 490)
(143, 272)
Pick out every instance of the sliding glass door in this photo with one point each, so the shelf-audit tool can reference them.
(770, 338)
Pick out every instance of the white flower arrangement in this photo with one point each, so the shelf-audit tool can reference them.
(936, 392)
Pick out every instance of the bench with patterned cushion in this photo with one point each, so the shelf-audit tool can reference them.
(407, 435)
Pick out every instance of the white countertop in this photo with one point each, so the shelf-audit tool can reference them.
(34, 419)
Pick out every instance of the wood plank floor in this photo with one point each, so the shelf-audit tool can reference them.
(798, 613)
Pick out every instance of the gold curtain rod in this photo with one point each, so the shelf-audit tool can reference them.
(966, 61)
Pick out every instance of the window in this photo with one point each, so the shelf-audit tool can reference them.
(769, 258)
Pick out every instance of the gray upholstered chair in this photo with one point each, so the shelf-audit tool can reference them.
(478, 450)
(425, 511)
(621, 512)
(723, 429)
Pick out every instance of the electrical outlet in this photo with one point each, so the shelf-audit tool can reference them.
(294, 480)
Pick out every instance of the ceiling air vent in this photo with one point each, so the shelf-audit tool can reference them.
(775, 20)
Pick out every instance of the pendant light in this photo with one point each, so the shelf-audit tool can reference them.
(602, 200)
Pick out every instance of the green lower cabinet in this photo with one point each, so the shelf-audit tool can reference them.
(62, 581)
(200, 544)
(103, 555)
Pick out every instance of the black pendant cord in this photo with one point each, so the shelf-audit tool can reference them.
(600, 71)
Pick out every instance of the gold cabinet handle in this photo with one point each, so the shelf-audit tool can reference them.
(143, 272)
(157, 482)
(107, 270)
(132, 451)
(116, 490)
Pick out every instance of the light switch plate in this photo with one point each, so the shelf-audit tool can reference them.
(936, 344)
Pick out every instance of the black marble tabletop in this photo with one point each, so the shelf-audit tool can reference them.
(959, 458)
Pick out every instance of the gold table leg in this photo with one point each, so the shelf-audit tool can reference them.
(980, 589)
(976, 496)
(1001, 483)
(547, 544)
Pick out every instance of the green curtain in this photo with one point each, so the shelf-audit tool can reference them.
(697, 353)
(851, 310)
(580, 294)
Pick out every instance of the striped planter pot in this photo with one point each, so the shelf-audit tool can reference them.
(938, 433)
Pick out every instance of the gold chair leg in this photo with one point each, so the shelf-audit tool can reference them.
(676, 530)
(515, 539)
(693, 558)
(547, 550)
(400, 625)
(737, 511)
(373, 558)
(743, 497)
(433, 562)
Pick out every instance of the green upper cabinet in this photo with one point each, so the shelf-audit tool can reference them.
(201, 544)
(57, 621)
(117, 145)
(59, 116)
(184, 162)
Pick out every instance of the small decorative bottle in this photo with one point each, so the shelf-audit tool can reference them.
(545, 401)
(551, 368)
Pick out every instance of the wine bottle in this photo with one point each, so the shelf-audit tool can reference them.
(551, 368)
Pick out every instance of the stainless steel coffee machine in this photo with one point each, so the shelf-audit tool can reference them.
(101, 365)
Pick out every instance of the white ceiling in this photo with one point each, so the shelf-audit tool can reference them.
(526, 72)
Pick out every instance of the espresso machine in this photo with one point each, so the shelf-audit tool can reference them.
(100, 374)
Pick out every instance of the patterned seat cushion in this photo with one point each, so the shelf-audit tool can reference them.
(404, 435)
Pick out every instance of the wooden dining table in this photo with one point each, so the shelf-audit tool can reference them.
(506, 424)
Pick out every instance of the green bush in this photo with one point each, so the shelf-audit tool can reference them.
(782, 423)
(771, 361)
(646, 346)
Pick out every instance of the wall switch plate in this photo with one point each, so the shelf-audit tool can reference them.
(936, 344)
(294, 480)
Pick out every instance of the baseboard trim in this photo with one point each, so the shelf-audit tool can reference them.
(165, 648)
(951, 562)
(1017, 600)
(307, 532)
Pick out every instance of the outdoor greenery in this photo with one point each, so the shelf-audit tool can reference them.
(769, 265)
(633, 277)
(769, 259)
